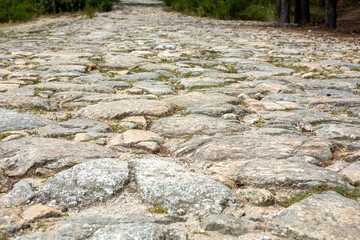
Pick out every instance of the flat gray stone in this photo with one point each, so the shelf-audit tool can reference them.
(196, 98)
(250, 146)
(122, 61)
(124, 108)
(217, 110)
(11, 120)
(161, 181)
(19, 156)
(66, 86)
(355, 112)
(201, 82)
(352, 173)
(154, 87)
(332, 93)
(10, 221)
(285, 173)
(105, 227)
(137, 231)
(139, 139)
(228, 225)
(258, 197)
(139, 76)
(194, 124)
(73, 126)
(86, 183)
(322, 216)
(338, 63)
(339, 131)
(20, 194)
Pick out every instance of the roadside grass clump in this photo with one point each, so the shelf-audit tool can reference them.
(4, 135)
(22, 10)
(261, 10)
(157, 209)
(342, 190)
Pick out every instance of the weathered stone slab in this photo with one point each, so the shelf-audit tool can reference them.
(154, 87)
(85, 184)
(339, 131)
(122, 61)
(11, 120)
(124, 108)
(194, 124)
(258, 197)
(201, 82)
(19, 156)
(66, 86)
(20, 194)
(228, 225)
(73, 126)
(10, 221)
(101, 227)
(39, 211)
(161, 181)
(321, 216)
(285, 173)
(217, 110)
(251, 146)
(352, 173)
(139, 76)
(196, 98)
(140, 139)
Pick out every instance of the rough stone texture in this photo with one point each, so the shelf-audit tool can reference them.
(295, 96)
(283, 173)
(4, 182)
(10, 221)
(339, 131)
(20, 194)
(194, 124)
(258, 197)
(153, 87)
(321, 216)
(11, 120)
(226, 224)
(86, 183)
(196, 98)
(123, 226)
(161, 181)
(125, 108)
(140, 139)
(352, 173)
(73, 126)
(139, 231)
(217, 110)
(247, 147)
(122, 61)
(17, 157)
(62, 87)
(39, 211)
(201, 82)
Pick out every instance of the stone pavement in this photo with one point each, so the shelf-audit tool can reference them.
(143, 123)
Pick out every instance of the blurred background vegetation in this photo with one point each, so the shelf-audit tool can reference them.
(261, 10)
(21, 10)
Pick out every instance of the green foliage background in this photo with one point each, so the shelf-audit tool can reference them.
(20, 10)
(261, 10)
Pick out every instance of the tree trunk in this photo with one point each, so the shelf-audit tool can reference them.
(298, 12)
(330, 19)
(305, 12)
(285, 11)
(278, 10)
